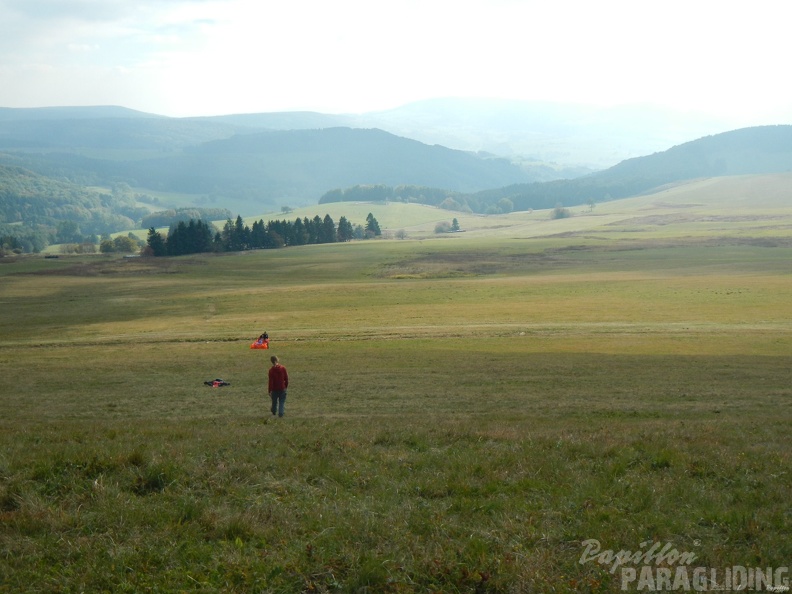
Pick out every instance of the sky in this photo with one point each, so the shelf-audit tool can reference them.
(214, 57)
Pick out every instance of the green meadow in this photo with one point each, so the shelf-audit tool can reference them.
(465, 412)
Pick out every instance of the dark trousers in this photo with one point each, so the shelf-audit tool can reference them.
(278, 402)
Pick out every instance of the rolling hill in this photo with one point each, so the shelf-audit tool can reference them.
(239, 167)
(755, 207)
(233, 163)
(763, 149)
(566, 139)
(296, 165)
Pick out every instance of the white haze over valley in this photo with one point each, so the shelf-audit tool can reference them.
(213, 57)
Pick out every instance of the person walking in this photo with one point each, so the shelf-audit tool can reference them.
(278, 382)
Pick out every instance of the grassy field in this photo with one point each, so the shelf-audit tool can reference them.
(464, 414)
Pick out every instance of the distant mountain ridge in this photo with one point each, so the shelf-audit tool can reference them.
(104, 145)
(563, 133)
(79, 132)
(249, 172)
(295, 163)
(236, 163)
(87, 112)
(568, 135)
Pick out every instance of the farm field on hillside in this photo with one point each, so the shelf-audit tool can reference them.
(464, 415)
(737, 206)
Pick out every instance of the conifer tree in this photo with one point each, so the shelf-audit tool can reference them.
(345, 230)
(372, 226)
(156, 243)
(327, 231)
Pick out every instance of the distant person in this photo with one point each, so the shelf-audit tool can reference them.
(278, 382)
(262, 342)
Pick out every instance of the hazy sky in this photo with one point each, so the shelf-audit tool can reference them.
(210, 57)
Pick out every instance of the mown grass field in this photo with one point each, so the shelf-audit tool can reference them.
(464, 412)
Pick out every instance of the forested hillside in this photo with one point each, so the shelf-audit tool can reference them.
(766, 149)
(297, 163)
(249, 173)
(36, 211)
(44, 189)
(32, 199)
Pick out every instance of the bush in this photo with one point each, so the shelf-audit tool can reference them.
(559, 212)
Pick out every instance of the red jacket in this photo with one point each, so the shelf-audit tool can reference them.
(278, 378)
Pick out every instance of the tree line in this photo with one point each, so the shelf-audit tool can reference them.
(197, 236)
(441, 198)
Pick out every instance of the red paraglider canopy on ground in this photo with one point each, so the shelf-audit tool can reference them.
(262, 342)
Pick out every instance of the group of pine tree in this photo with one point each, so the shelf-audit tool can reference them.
(198, 236)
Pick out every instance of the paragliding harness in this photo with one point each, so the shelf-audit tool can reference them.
(217, 383)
